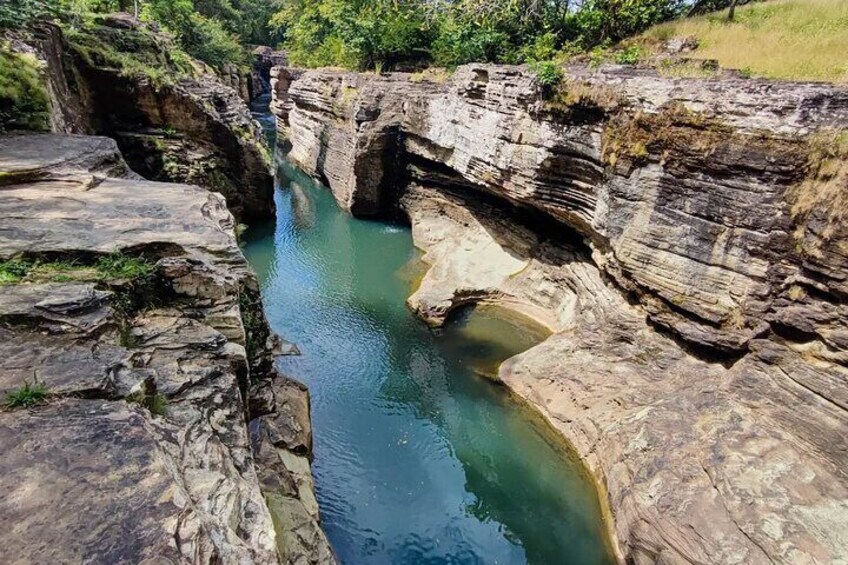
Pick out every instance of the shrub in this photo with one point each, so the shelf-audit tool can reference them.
(15, 15)
(549, 74)
(628, 56)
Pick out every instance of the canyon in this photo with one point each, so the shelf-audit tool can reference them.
(683, 239)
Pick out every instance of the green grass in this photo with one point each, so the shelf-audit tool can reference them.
(27, 395)
(120, 266)
(116, 266)
(779, 39)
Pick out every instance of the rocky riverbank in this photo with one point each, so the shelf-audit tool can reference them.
(684, 239)
(160, 431)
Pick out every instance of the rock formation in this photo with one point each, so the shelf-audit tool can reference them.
(684, 239)
(173, 117)
(149, 424)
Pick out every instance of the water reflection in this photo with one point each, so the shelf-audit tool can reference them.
(418, 458)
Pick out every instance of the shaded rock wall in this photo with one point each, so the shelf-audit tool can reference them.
(172, 123)
(622, 204)
(153, 377)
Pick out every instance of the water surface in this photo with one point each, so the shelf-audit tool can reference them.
(419, 458)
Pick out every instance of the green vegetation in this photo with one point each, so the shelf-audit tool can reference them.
(213, 31)
(120, 266)
(803, 39)
(784, 39)
(548, 73)
(156, 403)
(132, 53)
(364, 34)
(254, 327)
(27, 395)
(146, 395)
(13, 270)
(16, 14)
(116, 266)
(23, 95)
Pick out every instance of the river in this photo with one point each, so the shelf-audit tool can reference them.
(419, 457)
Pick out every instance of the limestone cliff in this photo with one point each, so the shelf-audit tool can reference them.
(686, 241)
(174, 119)
(159, 431)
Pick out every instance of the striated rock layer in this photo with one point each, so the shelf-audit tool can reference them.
(166, 435)
(685, 240)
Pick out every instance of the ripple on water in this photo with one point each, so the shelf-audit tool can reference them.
(417, 458)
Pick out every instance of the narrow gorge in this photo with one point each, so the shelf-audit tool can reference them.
(585, 310)
(684, 241)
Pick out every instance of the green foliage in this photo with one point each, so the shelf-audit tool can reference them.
(131, 52)
(599, 21)
(120, 266)
(358, 34)
(202, 36)
(16, 14)
(13, 270)
(23, 95)
(629, 55)
(254, 326)
(116, 266)
(462, 40)
(351, 33)
(548, 73)
(156, 403)
(27, 395)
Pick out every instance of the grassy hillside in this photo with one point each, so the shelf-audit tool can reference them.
(786, 39)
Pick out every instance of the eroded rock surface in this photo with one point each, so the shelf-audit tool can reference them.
(140, 450)
(676, 237)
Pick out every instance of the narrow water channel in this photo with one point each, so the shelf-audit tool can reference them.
(419, 458)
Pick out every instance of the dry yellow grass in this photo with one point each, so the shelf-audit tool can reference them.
(782, 39)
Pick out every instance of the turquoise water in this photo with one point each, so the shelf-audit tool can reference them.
(419, 458)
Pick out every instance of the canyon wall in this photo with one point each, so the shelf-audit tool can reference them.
(686, 241)
(174, 120)
(161, 432)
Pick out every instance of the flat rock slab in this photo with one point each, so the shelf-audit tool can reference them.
(59, 216)
(23, 156)
(68, 466)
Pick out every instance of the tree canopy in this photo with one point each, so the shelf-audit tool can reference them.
(383, 34)
(379, 33)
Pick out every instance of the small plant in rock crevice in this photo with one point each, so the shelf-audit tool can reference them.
(26, 396)
(146, 395)
(549, 75)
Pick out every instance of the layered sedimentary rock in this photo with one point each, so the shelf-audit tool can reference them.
(174, 119)
(685, 240)
(128, 305)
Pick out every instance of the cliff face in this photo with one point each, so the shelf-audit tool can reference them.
(685, 239)
(160, 431)
(174, 119)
